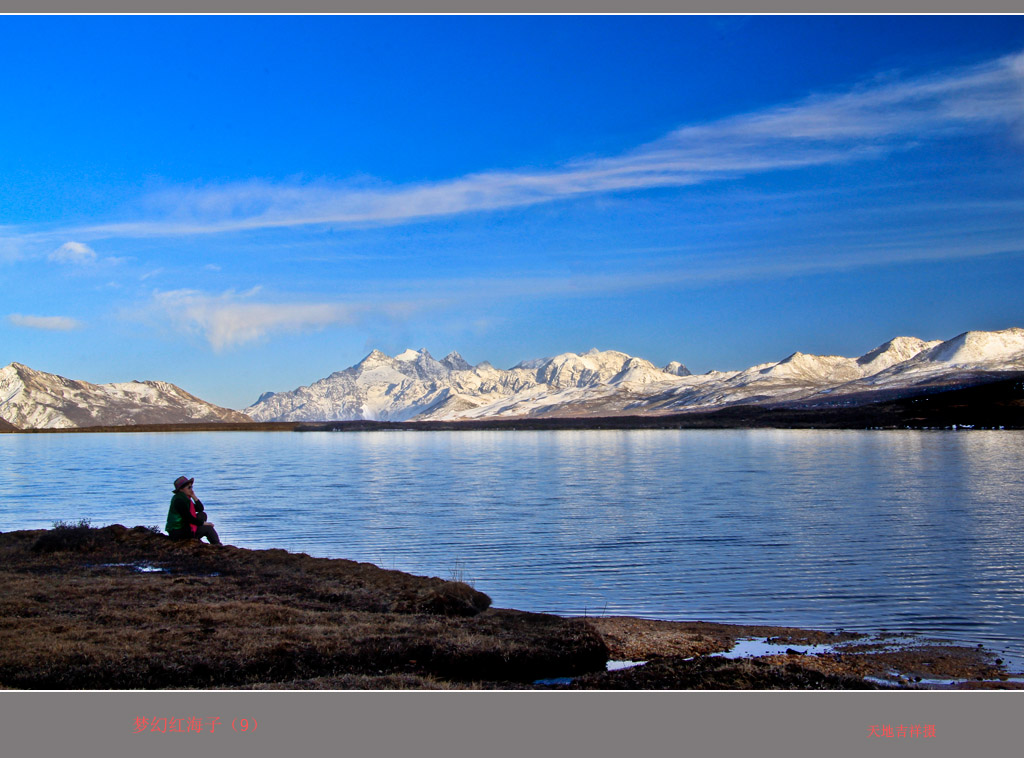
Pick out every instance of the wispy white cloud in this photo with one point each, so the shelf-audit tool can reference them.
(73, 252)
(47, 323)
(867, 122)
(11, 245)
(230, 319)
(691, 269)
(80, 254)
(150, 274)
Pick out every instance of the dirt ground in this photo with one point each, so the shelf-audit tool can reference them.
(681, 648)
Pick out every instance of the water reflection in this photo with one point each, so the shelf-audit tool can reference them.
(863, 530)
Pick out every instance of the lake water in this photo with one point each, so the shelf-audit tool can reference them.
(904, 531)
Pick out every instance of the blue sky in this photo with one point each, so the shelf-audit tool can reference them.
(238, 204)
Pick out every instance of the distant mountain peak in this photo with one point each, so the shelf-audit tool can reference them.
(895, 351)
(379, 359)
(414, 385)
(32, 399)
(677, 369)
(980, 347)
(19, 368)
(456, 362)
(608, 382)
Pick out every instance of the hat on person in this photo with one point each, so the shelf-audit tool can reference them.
(183, 481)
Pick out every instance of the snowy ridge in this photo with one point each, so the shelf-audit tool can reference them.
(892, 352)
(980, 349)
(413, 385)
(32, 399)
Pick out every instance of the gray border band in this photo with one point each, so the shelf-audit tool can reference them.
(512, 724)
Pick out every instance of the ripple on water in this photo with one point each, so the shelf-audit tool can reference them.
(921, 532)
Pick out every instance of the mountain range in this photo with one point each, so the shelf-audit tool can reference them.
(415, 386)
(31, 399)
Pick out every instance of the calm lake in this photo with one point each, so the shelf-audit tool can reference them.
(903, 531)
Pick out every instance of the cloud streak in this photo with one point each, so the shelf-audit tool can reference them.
(77, 253)
(231, 319)
(46, 323)
(714, 269)
(867, 122)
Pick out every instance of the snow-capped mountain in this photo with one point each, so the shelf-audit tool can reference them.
(413, 385)
(32, 399)
(892, 352)
(967, 357)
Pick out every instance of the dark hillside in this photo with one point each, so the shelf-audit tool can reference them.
(985, 405)
(991, 405)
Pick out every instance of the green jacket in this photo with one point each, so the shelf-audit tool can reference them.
(179, 516)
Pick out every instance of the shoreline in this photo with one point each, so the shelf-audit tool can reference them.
(994, 405)
(119, 608)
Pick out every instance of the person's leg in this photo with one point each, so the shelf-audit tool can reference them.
(206, 530)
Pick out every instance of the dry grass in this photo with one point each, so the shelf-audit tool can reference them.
(720, 673)
(635, 639)
(674, 651)
(76, 612)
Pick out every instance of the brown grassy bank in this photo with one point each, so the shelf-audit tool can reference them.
(119, 608)
(80, 609)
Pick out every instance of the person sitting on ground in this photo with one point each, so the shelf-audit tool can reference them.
(186, 519)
